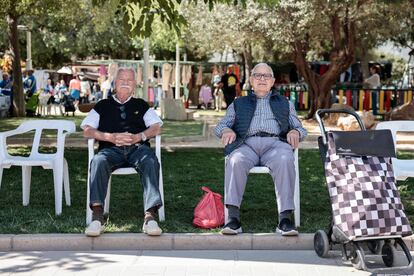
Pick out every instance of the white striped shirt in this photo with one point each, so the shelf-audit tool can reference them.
(263, 120)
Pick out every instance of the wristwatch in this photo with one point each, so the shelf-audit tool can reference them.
(143, 137)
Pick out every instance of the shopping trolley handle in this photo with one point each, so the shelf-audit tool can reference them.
(321, 112)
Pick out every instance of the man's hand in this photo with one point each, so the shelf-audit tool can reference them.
(228, 136)
(293, 138)
(123, 139)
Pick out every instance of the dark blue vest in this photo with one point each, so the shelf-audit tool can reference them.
(245, 107)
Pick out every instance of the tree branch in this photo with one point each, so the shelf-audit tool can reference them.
(336, 31)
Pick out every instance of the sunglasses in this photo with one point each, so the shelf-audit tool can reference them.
(123, 113)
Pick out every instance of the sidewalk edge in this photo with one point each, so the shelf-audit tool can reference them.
(133, 241)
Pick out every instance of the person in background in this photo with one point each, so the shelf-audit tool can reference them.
(218, 92)
(60, 90)
(229, 84)
(85, 90)
(29, 84)
(205, 96)
(96, 95)
(75, 89)
(6, 88)
(374, 81)
(51, 91)
(5, 83)
(106, 88)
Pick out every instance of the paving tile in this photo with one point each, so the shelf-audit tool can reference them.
(132, 241)
(46, 242)
(212, 242)
(112, 270)
(174, 270)
(199, 270)
(186, 256)
(145, 269)
(224, 269)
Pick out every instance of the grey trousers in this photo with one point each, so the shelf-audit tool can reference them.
(261, 151)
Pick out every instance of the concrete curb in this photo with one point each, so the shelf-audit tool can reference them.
(138, 241)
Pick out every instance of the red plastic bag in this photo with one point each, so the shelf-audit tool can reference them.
(209, 212)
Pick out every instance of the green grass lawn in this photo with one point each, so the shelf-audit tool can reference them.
(169, 129)
(185, 171)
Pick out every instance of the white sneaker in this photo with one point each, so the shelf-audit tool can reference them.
(94, 229)
(151, 228)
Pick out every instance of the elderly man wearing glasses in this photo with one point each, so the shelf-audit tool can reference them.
(261, 128)
(122, 125)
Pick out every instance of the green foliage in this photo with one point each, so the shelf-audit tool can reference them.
(140, 15)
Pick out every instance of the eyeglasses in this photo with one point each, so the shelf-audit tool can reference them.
(123, 113)
(258, 76)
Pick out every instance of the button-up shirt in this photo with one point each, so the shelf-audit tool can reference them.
(263, 119)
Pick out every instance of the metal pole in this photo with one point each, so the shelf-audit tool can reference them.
(145, 69)
(29, 49)
(177, 71)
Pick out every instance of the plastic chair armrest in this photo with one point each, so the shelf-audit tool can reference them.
(13, 132)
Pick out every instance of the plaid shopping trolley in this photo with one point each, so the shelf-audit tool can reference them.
(366, 206)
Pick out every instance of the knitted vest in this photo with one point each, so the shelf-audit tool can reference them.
(110, 119)
(244, 108)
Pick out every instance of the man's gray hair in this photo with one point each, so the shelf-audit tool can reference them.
(120, 69)
(262, 64)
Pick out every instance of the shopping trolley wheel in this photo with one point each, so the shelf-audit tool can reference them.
(357, 256)
(375, 246)
(388, 254)
(321, 243)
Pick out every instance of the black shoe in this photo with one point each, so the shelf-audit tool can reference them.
(233, 227)
(287, 228)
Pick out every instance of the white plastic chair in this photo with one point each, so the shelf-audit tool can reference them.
(122, 171)
(54, 161)
(402, 168)
(263, 169)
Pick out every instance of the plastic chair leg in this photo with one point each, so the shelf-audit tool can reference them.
(161, 211)
(108, 197)
(58, 183)
(1, 175)
(297, 191)
(88, 209)
(66, 182)
(26, 179)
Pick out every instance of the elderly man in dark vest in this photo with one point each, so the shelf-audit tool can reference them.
(261, 128)
(122, 125)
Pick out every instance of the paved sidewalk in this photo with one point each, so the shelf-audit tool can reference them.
(176, 263)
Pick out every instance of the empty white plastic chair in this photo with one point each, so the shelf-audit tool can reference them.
(54, 161)
(263, 169)
(403, 168)
(122, 171)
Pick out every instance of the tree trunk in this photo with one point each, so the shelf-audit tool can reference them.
(341, 57)
(248, 61)
(19, 105)
(364, 61)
